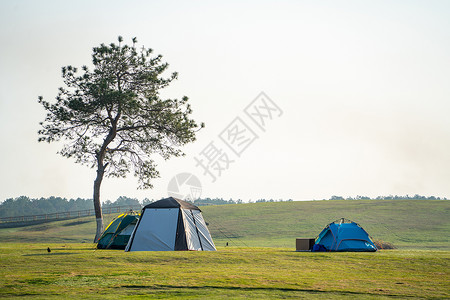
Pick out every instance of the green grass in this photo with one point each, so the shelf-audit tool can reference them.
(408, 224)
(79, 230)
(259, 263)
(79, 271)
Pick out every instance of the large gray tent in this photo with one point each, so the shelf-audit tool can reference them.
(170, 224)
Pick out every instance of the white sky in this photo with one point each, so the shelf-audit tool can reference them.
(363, 86)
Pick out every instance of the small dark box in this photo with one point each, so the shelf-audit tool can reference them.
(304, 244)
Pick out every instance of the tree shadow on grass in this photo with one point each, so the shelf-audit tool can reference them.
(76, 223)
(254, 289)
(39, 222)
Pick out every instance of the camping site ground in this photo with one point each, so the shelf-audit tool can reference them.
(260, 261)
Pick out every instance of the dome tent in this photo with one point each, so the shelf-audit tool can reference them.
(344, 235)
(170, 224)
(118, 232)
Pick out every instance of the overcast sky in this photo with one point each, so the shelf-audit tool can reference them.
(357, 94)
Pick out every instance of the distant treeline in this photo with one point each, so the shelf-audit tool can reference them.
(390, 197)
(221, 201)
(25, 206)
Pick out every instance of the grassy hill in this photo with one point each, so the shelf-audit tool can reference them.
(72, 269)
(405, 223)
(419, 224)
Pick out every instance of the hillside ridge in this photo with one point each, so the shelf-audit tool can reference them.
(418, 224)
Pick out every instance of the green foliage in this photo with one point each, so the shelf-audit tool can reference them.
(24, 206)
(122, 201)
(79, 270)
(112, 116)
(215, 201)
(390, 197)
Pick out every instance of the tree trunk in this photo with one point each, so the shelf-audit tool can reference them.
(101, 171)
(98, 181)
(97, 204)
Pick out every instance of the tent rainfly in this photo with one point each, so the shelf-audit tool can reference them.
(117, 233)
(170, 224)
(344, 235)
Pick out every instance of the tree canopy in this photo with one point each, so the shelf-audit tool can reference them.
(115, 111)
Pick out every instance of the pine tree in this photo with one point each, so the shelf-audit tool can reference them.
(113, 119)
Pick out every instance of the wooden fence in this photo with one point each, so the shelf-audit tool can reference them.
(68, 214)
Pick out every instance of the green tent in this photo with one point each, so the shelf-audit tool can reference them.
(117, 233)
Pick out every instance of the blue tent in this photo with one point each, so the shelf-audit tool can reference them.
(344, 235)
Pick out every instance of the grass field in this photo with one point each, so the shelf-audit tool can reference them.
(408, 224)
(259, 263)
(79, 271)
